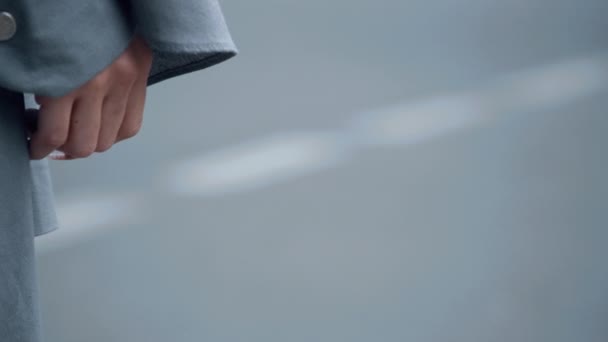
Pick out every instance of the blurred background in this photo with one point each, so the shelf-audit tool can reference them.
(382, 170)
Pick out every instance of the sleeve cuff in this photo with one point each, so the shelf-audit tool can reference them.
(169, 63)
(185, 35)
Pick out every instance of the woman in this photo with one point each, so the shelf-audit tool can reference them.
(89, 64)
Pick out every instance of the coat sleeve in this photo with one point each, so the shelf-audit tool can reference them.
(185, 35)
(60, 45)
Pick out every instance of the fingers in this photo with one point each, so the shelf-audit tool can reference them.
(135, 107)
(84, 129)
(107, 109)
(53, 126)
(91, 122)
(134, 111)
(113, 114)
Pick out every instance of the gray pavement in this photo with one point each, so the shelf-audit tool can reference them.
(363, 171)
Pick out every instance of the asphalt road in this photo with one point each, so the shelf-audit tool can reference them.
(363, 171)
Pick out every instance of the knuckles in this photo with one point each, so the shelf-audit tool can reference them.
(80, 151)
(129, 131)
(54, 139)
(103, 146)
(98, 83)
(123, 73)
(125, 70)
(126, 66)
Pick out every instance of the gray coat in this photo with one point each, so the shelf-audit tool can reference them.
(51, 48)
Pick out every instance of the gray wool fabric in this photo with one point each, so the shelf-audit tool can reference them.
(19, 314)
(58, 46)
(43, 203)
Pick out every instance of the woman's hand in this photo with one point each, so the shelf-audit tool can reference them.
(107, 109)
